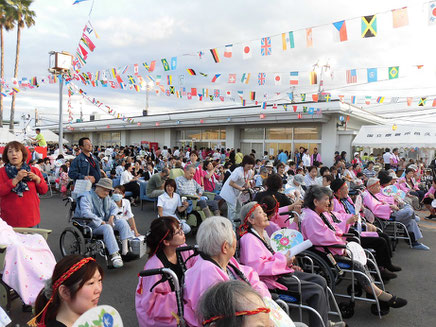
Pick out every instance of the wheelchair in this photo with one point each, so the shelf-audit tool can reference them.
(79, 238)
(336, 272)
(285, 299)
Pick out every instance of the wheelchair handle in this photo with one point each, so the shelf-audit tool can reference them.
(151, 272)
(187, 248)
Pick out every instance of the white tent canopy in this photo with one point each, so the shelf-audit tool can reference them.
(50, 137)
(6, 137)
(388, 136)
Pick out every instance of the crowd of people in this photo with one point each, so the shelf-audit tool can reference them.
(241, 197)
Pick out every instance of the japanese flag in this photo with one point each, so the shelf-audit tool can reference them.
(277, 79)
(246, 51)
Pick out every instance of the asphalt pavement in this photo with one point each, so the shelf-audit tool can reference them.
(416, 282)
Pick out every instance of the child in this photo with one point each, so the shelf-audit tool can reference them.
(63, 180)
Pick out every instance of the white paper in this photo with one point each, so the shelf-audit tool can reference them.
(358, 204)
(297, 249)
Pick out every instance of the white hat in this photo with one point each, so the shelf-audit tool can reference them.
(372, 181)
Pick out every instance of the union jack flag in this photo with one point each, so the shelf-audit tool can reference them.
(261, 78)
(265, 46)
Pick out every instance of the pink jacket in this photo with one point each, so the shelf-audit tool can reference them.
(432, 190)
(314, 229)
(204, 274)
(339, 208)
(377, 207)
(255, 254)
(155, 308)
(281, 220)
(405, 187)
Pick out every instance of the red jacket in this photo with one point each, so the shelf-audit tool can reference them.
(24, 211)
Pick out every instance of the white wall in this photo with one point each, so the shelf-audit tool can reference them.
(150, 135)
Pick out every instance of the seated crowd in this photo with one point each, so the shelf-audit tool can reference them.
(243, 201)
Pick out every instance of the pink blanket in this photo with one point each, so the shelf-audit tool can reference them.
(29, 262)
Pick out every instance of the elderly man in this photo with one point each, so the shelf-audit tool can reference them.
(385, 206)
(187, 186)
(155, 186)
(85, 165)
(98, 206)
(217, 244)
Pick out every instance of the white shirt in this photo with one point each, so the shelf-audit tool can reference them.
(387, 157)
(176, 153)
(239, 177)
(126, 177)
(169, 205)
(125, 211)
(308, 181)
(306, 160)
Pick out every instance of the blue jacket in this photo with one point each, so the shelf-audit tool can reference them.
(80, 167)
(90, 205)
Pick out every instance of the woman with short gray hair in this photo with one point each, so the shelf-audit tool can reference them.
(321, 228)
(217, 245)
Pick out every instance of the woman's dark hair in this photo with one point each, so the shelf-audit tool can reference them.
(247, 160)
(312, 168)
(205, 163)
(170, 182)
(16, 146)
(268, 204)
(60, 157)
(120, 188)
(274, 182)
(315, 192)
(46, 159)
(193, 152)
(159, 228)
(225, 299)
(323, 169)
(64, 168)
(74, 283)
(280, 164)
(408, 170)
(329, 178)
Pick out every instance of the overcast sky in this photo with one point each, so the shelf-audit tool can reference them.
(135, 31)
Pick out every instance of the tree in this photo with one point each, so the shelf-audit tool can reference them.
(6, 23)
(23, 16)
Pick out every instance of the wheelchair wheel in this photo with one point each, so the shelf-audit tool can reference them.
(320, 267)
(347, 309)
(72, 241)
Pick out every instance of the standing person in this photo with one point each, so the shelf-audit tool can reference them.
(85, 165)
(74, 288)
(306, 158)
(39, 138)
(239, 156)
(395, 159)
(387, 158)
(315, 157)
(20, 185)
(238, 181)
(282, 157)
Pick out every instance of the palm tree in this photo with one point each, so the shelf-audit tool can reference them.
(23, 16)
(6, 23)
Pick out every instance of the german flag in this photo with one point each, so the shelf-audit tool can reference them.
(191, 72)
(215, 56)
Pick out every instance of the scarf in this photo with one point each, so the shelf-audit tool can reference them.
(12, 172)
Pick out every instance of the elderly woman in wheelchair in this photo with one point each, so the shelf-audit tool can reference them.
(320, 228)
(217, 245)
(278, 271)
(97, 207)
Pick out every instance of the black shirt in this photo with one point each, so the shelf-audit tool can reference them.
(174, 267)
(282, 198)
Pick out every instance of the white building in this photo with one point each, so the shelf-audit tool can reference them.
(332, 129)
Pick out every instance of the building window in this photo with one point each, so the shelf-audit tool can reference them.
(193, 134)
(306, 133)
(279, 133)
(252, 133)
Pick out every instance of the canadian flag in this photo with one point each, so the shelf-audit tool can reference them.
(246, 51)
(277, 79)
